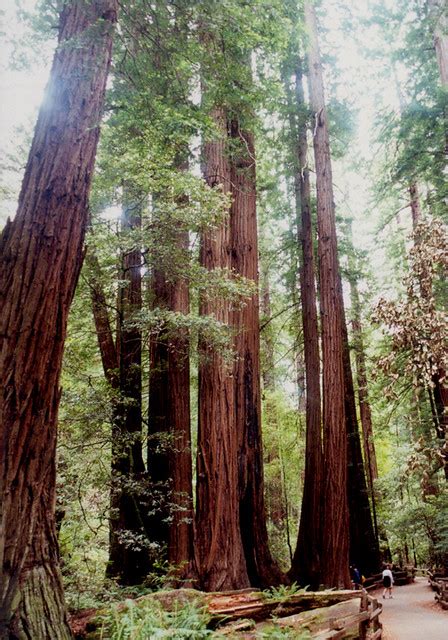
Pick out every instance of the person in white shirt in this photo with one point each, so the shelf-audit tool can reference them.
(388, 581)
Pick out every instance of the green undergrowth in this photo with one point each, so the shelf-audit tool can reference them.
(149, 620)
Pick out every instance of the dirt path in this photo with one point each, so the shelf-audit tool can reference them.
(412, 614)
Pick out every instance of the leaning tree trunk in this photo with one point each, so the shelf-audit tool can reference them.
(220, 555)
(335, 548)
(305, 566)
(41, 257)
(261, 567)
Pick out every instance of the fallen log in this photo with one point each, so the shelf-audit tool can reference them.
(323, 618)
(233, 605)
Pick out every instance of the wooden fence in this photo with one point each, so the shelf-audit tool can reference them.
(366, 621)
(439, 584)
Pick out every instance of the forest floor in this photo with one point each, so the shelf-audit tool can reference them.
(413, 614)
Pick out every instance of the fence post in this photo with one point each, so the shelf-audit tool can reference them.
(363, 626)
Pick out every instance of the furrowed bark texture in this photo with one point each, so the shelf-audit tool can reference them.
(220, 555)
(41, 257)
(306, 562)
(335, 557)
(261, 567)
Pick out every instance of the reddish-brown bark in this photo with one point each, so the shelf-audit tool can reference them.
(307, 557)
(261, 567)
(106, 342)
(41, 257)
(335, 548)
(220, 555)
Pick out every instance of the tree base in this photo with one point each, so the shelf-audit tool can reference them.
(41, 613)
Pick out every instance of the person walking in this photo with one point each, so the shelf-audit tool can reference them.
(388, 581)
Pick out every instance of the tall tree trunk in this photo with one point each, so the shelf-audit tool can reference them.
(364, 549)
(335, 548)
(127, 561)
(128, 551)
(169, 443)
(180, 539)
(41, 257)
(307, 557)
(220, 555)
(261, 567)
(363, 396)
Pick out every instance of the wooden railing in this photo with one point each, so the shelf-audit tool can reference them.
(366, 620)
(439, 584)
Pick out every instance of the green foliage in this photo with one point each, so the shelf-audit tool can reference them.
(140, 620)
(283, 592)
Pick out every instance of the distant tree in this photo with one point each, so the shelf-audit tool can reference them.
(439, 17)
(41, 256)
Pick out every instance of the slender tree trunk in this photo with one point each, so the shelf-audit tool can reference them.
(261, 567)
(335, 548)
(169, 443)
(180, 539)
(415, 204)
(41, 258)
(128, 552)
(306, 561)
(364, 404)
(106, 342)
(268, 370)
(439, 14)
(220, 555)
(159, 426)
(364, 548)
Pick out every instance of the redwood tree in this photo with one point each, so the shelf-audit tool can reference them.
(41, 255)
(261, 567)
(220, 554)
(306, 562)
(335, 547)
